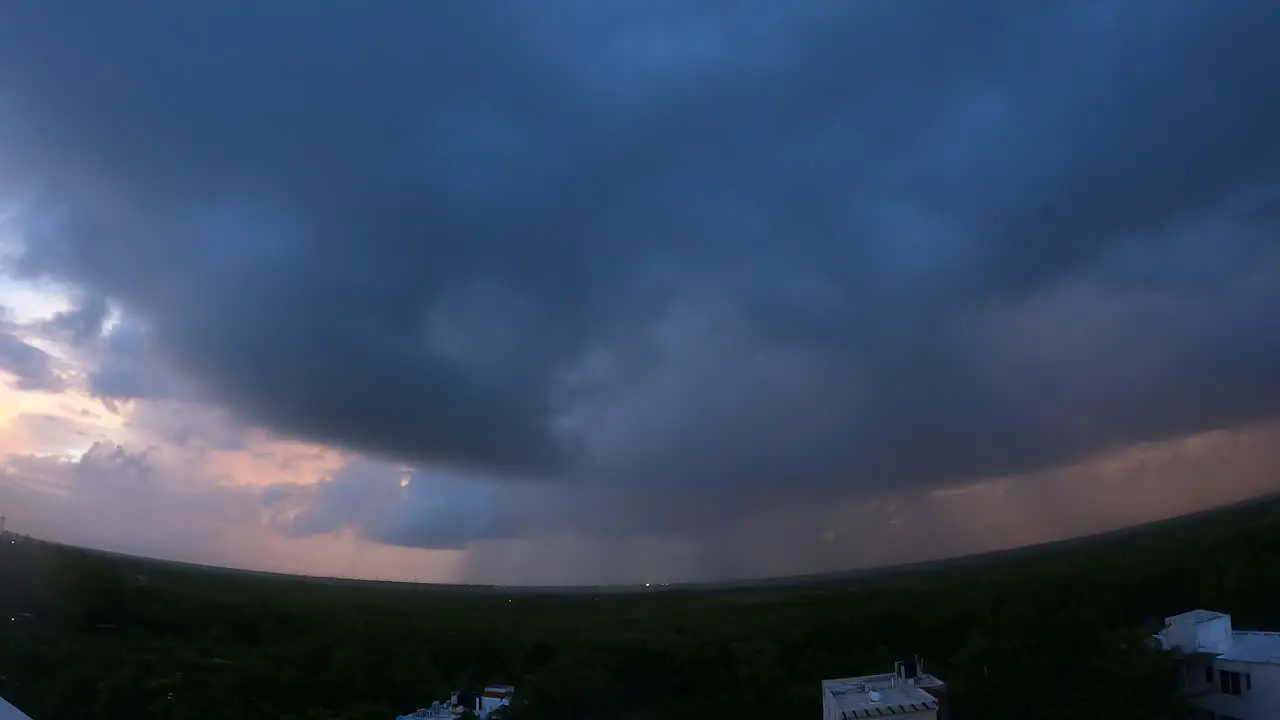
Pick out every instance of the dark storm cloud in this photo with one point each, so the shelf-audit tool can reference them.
(126, 367)
(390, 506)
(80, 324)
(714, 252)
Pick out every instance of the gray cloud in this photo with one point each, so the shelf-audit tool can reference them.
(125, 500)
(80, 324)
(125, 367)
(691, 261)
(386, 505)
(119, 358)
(1139, 484)
(33, 368)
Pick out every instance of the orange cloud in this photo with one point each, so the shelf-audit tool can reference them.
(269, 462)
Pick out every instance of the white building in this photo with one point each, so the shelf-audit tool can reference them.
(493, 697)
(9, 712)
(907, 693)
(1230, 674)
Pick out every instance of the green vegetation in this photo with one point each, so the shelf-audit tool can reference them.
(1058, 633)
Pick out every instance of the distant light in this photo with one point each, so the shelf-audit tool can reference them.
(646, 584)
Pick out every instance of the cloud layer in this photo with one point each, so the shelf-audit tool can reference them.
(650, 269)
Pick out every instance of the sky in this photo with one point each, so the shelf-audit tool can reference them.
(570, 292)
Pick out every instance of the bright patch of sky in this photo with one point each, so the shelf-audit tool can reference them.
(30, 301)
(26, 300)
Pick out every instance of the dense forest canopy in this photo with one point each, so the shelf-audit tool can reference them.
(1041, 634)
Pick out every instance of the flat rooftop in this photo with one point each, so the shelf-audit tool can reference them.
(1253, 646)
(878, 681)
(851, 703)
(9, 712)
(1196, 616)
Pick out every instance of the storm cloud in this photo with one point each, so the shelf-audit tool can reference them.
(666, 263)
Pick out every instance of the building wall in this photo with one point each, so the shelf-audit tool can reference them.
(1212, 636)
(923, 715)
(939, 692)
(1215, 635)
(1194, 680)
(1259, 702)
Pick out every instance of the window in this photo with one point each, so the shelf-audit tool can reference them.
(1248, 681)
(1229, 682)
(1208, 673)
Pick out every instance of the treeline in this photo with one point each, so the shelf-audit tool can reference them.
(1055, 635)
